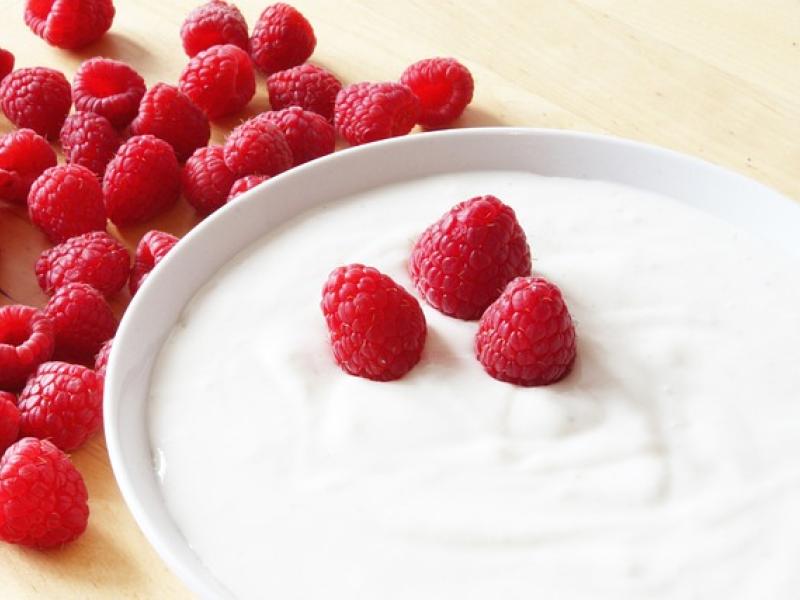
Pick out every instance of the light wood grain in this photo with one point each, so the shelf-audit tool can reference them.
(718, 79)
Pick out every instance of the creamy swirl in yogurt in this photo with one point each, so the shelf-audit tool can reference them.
(666, 466)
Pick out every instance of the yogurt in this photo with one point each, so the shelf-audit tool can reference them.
(665, 466)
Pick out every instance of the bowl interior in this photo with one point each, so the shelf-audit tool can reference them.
(209, 246)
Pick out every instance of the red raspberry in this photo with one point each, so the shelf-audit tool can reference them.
(213, 24)
(69, 24)
(169, 114)
(307, 86)
(82, 321)
(61, 403)
(89, 140)
(9, 420)
(206, 179)
(462, 263)
(152, 249)
(37, 98)
(366, 112)
(377, 328)
(219, 80)
(66, 201)
(109, 88)
(6, 63)
(257, 147)
(93, 258)
(245, 184)
(26, 341)
(43, 499)
(444, 87)
(141, 181)
(527, 337)
(309, 135)
(101, 362)
(282, 38)
(24, 155)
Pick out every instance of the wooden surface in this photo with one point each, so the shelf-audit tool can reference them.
(718, 79)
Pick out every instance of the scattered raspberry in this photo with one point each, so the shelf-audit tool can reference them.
(101, 362)
(309, 135)
(206, 179)
(26, 341)
(257, 147)
(43, 499)
(444, 87)
(282, 38)
(89, 140)
(66, 201)
(36, 98)
(527, 337)
(141, 181)
(61, 403)
(213, 24)
(69, 24)
(307, 86)
(109, 88)
(9, 420)
(24, 155)
(95, 258)
(82, 321)
(219, 80)
(245, 184)
(152, 249)
(6, 63)
(169, 114)
(366, 112)
(462, 263)
(377, 328)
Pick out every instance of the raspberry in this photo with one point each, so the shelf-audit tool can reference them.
(109, 88)
(141, 181)
(366, 112)
(152, 249)
(245, 184)
(282, 38)
(89, 140)
(9, 420)
(43, 499)
(69, 24)
(6, 63)
(213, 24)
(444, 87)
(95, 258)
(61, 403)
(36, 98)
(377, 328)
(219, 80)
(462, 263)
(257, 147)
(26, 341)
(169, 114)
(66, 201)
(206, 179)
(527, 337)
(101, 360)
(82, 321)
(24, 155)
(309, 135)
(307, 86)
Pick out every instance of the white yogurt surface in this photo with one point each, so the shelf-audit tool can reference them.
(666, 466)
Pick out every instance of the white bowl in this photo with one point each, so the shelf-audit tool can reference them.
(219, 238)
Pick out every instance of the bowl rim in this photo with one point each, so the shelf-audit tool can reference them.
(128, 482)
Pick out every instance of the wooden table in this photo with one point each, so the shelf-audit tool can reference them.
(718, 79)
